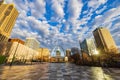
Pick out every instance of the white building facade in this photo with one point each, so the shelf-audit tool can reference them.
(32, 43)
(19, 52)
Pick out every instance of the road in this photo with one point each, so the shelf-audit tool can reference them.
(57, 71)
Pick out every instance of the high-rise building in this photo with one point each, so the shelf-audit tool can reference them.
(88, 46)
(44, 54)
(8, 15)
(32, 43)
(68, 52)
(75, 50)
(16, 40)
(104, 41)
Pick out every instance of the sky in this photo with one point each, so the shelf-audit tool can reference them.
(65, 22)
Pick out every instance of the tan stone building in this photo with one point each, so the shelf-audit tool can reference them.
(16, 40)
(68, 52)
(44, 54)
(22, 52)
(8, 15)
(18, 51)
(104, 41)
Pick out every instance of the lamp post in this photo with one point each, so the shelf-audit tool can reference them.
(14, 54)
(49, 59)
(92, 56)
(97, 54)
(81, 51)
(32, 58)
(41, 55)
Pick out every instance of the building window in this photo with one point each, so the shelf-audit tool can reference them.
(10, 7)
(7, 12)
(2, 20)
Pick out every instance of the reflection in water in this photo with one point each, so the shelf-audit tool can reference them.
(99, 74)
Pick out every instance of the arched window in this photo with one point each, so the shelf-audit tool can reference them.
(7, 13)
(10, 7)
(9, 10)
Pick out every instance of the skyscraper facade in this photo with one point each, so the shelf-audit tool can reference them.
(75, 50)
(8, 15)
(32, 43)
(88, 46)
(104, 41)
(68, 52)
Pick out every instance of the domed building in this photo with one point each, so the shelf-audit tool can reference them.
(58, 55)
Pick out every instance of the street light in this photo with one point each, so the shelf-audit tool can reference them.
(95, 55)
(96, 52)
(32, 57)
(49, 58)
(66, 59)
(14, 54)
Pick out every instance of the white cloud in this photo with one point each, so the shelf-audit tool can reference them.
(74, 8)
(101, 10)
(108, 17)
(57, 7)
(41, 26)
(96, 3)
(74, 12)
(8, 1)
(75, 28)
(38, 8)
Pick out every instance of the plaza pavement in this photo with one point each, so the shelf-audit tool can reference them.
(57, 71)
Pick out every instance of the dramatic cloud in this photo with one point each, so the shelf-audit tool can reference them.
(65, 22)
(57, 7)
(74, 9)
(96, 3)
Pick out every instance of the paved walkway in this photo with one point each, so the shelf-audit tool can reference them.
(56, 71)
